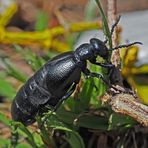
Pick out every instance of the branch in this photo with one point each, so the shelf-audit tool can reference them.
(112, 16)
(126, 104)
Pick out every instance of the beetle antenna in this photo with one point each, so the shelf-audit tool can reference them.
(126, 45)
(115, 24)
(113, 27)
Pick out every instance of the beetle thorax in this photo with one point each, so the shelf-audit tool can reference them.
(85, 52)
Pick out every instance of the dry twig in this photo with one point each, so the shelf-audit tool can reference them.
(126, 104)
(112, 11)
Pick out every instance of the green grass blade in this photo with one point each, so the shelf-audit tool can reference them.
(4, 119)
(106, 29)
(38, 140)
(13, 71)
(42, 21)
(45, 133)
(117, 121)
(89, 10)
(74, 139)
(80, 104)
(21, 145)
(54, 123)
(6, 89)
(4, 143)
(83, 120)
(29, 135)
(33, 60)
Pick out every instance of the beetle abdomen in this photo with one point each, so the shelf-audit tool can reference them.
(28, 101)
(18, 115)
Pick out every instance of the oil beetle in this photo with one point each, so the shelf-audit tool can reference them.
(57, 80)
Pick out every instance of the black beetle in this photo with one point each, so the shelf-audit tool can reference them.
(57, 80)
(51, 83)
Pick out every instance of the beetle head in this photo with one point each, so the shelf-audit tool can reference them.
(99, 48)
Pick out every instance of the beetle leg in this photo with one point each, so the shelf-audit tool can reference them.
(67, 95)
(114, 25)
(100, 76)
(87, 72)
(113, 28)
(105, 65)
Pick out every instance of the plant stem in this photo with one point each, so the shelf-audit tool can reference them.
(112, 16)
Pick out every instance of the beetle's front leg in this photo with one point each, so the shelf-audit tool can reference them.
(87, 72)
(105, 65)
(67, 95)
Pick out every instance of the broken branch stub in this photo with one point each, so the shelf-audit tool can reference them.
(128, 105)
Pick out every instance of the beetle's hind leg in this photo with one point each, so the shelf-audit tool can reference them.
(66, 96)
(105, 65)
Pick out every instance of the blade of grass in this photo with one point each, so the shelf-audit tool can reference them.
(38, 140)
(53, 123)
(116, 121)
(89, 10)
(4, 142)
(106, 29)
(4, 119)
(73, 137)
(13, 71)
(6, 89)
(29, 135)
(80, 104)
(34, 61)
(83, 120)
(45, 134)
(42, 21)
(21, 145)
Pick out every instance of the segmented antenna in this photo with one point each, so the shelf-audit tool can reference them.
(113, 28)
(126, 45)
(115, 24)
